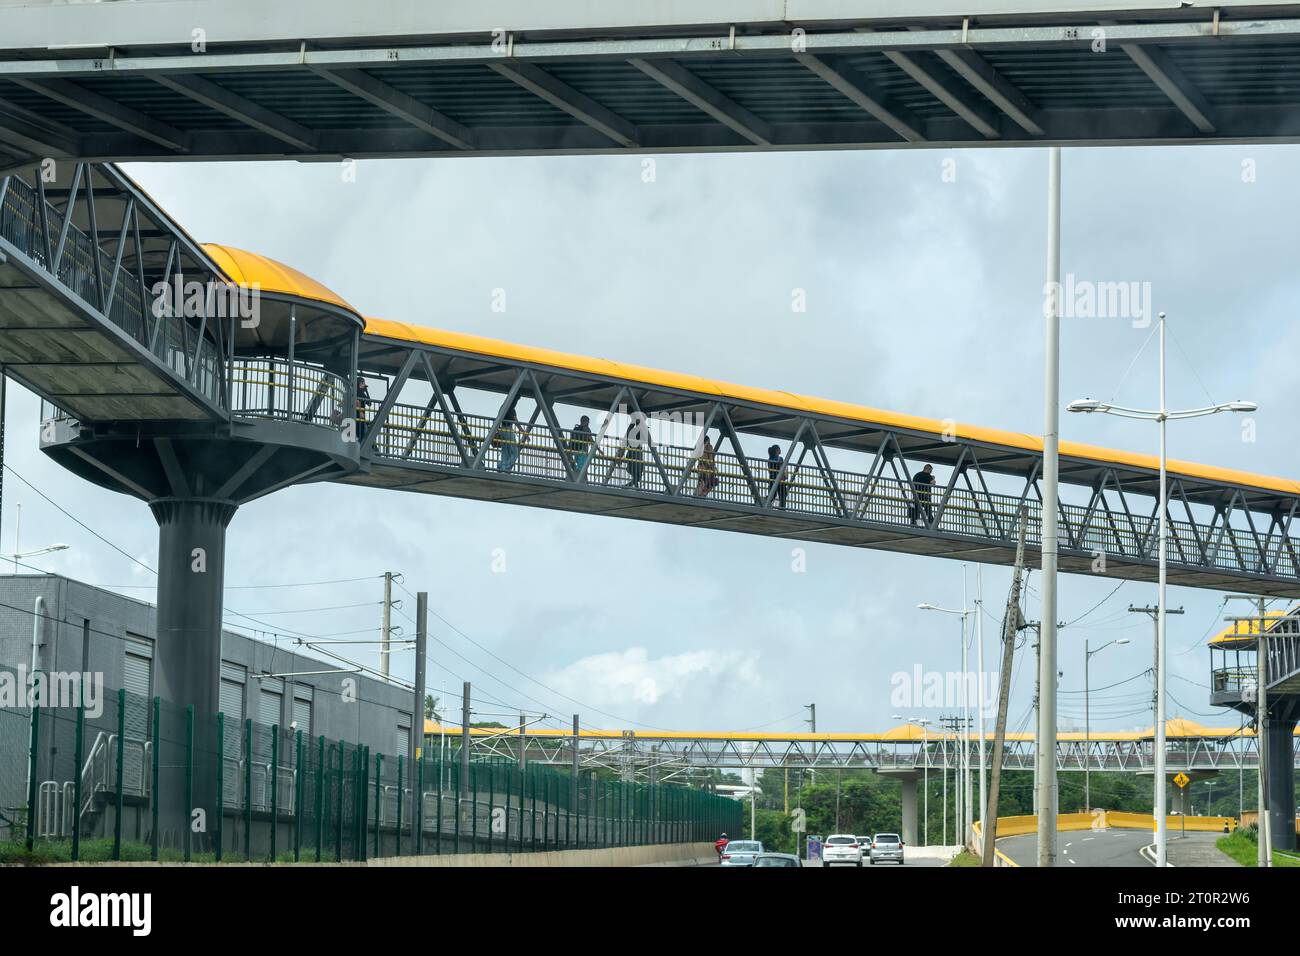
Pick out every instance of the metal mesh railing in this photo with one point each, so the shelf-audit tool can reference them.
(414, 434)
(276, 388)
(116, 293)
(139, 778)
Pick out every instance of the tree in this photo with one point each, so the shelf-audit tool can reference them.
(432, 706)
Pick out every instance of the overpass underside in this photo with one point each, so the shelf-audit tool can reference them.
(140, 82)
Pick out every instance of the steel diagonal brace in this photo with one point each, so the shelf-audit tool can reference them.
(957, 468)
(732, 437)
(440, 397)
(824, 466)
(552, 425)
(654, 451)
(704, 433)
(506, 405)
(596, 441)
(784, 472)
(64, 227)
(390, 397)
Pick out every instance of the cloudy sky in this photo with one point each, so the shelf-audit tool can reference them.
(923, 295)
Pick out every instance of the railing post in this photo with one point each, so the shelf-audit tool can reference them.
(473, 808)
(121, 740)
(491, 805)
(298, 779)
(275, 786)
(379, 773)
(401, 798)
(77, 761)
(320, 794)
(153, 797)
(338, 813)
(248, 789)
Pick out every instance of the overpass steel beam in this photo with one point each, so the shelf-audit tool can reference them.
(406, 108)
(864, 94)
(564, 97)
(109, 111)
(707, 99)
(239, 108)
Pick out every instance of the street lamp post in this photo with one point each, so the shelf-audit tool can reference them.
(1087, 722)
(19, 555)
(1161, 416)
(924, 724)
(963, 780)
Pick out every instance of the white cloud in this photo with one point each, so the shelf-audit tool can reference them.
(632, 676)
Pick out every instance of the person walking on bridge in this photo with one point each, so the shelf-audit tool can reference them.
(363, 400)
(706, 468)
(775, 462)
(580, 441)
(635, 442)
(508, 439)
(922, 486)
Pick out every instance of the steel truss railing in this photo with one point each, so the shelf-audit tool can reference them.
(640, 756)
(115, 272)
(1219, 530)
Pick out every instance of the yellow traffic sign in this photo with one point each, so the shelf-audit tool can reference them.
(1182, 780)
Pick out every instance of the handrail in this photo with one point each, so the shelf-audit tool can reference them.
(20, 224)
(411, 434)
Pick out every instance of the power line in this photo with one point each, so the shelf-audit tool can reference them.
(1097, 605)
(78, 521)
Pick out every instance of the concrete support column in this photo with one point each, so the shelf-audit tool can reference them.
(191, 580)
(1281, 781)
(910, 833)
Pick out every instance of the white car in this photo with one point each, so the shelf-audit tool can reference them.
(741, 853)
(841, 848)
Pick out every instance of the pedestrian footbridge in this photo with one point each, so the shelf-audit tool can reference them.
(906, 749)
(96, 318)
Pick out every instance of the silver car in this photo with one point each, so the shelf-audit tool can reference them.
(778, 859)
(887, 846)
(841, 848)
(741, 852)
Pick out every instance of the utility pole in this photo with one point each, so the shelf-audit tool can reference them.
(417, 723)
(812, 724)
(385, 646)
(573, 783)
(1264, 829)
(1159, 783)
(980, 702)
(1011, 626)
(1048, 540)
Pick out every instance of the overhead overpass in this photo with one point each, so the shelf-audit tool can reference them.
(902, 749)
(189, 80)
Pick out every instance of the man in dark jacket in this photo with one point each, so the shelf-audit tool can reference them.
(922, 486)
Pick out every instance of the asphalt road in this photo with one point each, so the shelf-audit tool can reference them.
(1092, 847)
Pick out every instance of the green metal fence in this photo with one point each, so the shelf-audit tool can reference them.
(140, 778)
